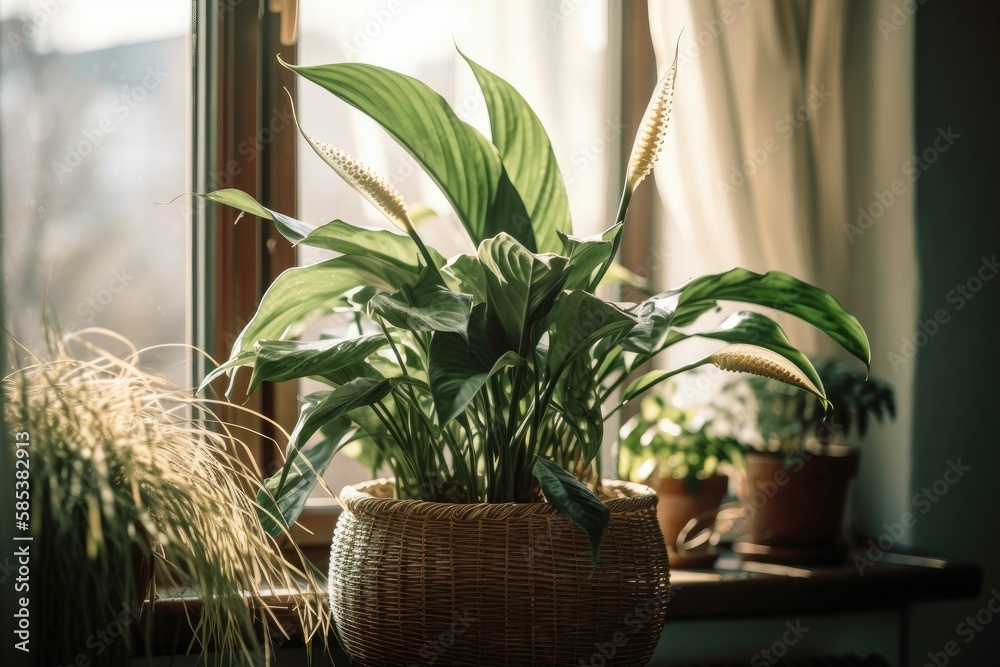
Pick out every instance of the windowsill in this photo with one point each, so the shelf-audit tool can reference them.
(738, 588)
(733, 589)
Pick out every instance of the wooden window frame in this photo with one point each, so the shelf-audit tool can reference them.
(243, 138)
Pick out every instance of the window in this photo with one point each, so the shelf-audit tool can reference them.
(112, 108)
(95, 125)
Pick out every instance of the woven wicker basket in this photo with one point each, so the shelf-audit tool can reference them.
(419, 583)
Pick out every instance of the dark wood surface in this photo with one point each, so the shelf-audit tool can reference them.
(894, 581)
(734, 588)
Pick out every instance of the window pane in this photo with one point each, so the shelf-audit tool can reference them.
(95, 100)
(555, 53)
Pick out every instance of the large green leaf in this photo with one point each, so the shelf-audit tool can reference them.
(383, 244)
(303, 293)
(425, 306)
(460, 160)
(326, 406)
(521, 287)
(464, 273)
(571, 497)
(587, 255)
(279, 509)
(337, 235)
(445, 311)
(528, 158)
(281, 360)
(577, 321)
(456, 374)
(779, 291)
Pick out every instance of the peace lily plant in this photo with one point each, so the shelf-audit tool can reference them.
(488, 377)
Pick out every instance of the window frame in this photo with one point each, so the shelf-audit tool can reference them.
(238, 93)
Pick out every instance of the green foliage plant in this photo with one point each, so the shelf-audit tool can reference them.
(790, 420)
(664, 440)
(488, 377)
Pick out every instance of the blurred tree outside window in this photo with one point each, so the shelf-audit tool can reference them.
(95, 100)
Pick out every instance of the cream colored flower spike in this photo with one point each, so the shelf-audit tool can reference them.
(744, 358)
(649, 138)
(370, 185)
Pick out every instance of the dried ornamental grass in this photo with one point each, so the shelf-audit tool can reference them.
(120, 475)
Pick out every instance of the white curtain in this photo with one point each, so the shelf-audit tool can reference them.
(793, 121)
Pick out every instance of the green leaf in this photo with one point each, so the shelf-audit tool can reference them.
(303, 293)
(656, 316)
(577, 321)
(286, 504)
(577, 400)
(281, 360)
(527, 156)
(337, 235)
(325, 406)
(456, 374)
(245, 358)
(464, 273)
(779, 291)
(521, 287)
(461, 161)
(447, 311)
(292, 229)
(587, 255)
(384, 244)
(571, 497)
(426, 306)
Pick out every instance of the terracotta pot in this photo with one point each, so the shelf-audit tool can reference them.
(797, 512)
(679, 503)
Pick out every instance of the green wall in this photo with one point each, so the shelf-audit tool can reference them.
(957, 373)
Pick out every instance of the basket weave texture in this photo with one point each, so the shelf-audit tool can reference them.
(416, 583)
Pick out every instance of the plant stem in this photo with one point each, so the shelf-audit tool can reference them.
(423, 249)
(666, 376)
(616, 242)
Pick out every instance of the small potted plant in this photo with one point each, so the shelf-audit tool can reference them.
(798, 476)
(485, 382)
(686, 461)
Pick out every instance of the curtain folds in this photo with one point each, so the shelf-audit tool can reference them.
(792, 120)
